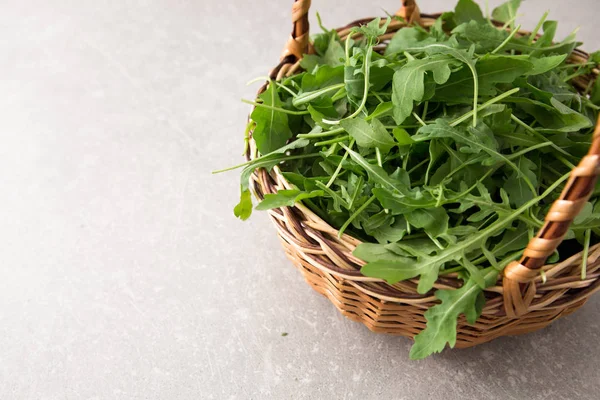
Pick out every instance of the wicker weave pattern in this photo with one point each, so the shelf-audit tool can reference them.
(520, 302)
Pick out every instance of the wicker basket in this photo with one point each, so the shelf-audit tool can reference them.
(520, 302)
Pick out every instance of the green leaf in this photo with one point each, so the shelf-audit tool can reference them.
(286, 198)
(507, 11)
(484, 36)
(544, 64)
(391, 233)
(244, 208)
(409, 86)
(324, 76)
(474, 141)
(442, 318)
(518, 185)
(433, 220)
(374, 28)
(490, 70)
(468, 10)
(370, 252)
(402, 137)
(396, 271)
(376, 173)
(382, 109)
(272, 130)
(400, 203)
(369, 136)
(555, 117)
(512, 240)
(406, 38)
(413, 247)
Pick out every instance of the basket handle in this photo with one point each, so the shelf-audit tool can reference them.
(297, 44)
(518, 282)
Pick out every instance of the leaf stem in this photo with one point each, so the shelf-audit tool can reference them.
(419, 119)
(332, 132)
(484, 106)
(355, 214)
(309, 96)
(339, 167)
(537, 134)
(537, 28)
(332, 141)
(508, 39)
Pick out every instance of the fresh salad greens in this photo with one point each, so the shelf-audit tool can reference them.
(442, 152)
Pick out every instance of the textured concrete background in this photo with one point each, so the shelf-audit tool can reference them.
(123, 273)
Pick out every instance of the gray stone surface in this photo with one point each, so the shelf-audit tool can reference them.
(123, 273)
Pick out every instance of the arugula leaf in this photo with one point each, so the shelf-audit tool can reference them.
(369, 136)
(441, 318)
(484, 36)
(409, 86)
(272, 129)
(467, 10)
(286, 198)
(507, 11)
(407, 38)
(243, 210)
(544, 64)
(517, 184)
(433, 220)
(376, 173)
(396, 271)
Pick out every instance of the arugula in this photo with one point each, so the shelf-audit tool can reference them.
(442, 154)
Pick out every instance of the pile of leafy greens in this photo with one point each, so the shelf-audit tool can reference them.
(442, 151)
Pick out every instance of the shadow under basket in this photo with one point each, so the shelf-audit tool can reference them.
(520, 301)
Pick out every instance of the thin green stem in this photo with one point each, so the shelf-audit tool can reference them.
(419, 119)
(378, 156)
(413, 169)
(538, 135)
(320, 135)
(309, 96)
(508, 39)
(256, 160)
(355, 214)
(367, 69)
(485, 105)
(537, 28)
(332, 141)
(339, 167)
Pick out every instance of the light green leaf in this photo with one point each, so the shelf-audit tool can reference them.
(376, 173)
(442, 318)
(402, 137)
(507, 11)
(433, 220)
(286, 198)
(518, 185)
(396, 271)
(369, 136)
(272, 129)
(468, 10)
(244, 208)
(408, 83)
(544, 64)
(406, 38)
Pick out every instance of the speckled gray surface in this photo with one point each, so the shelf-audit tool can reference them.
(123, 274)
